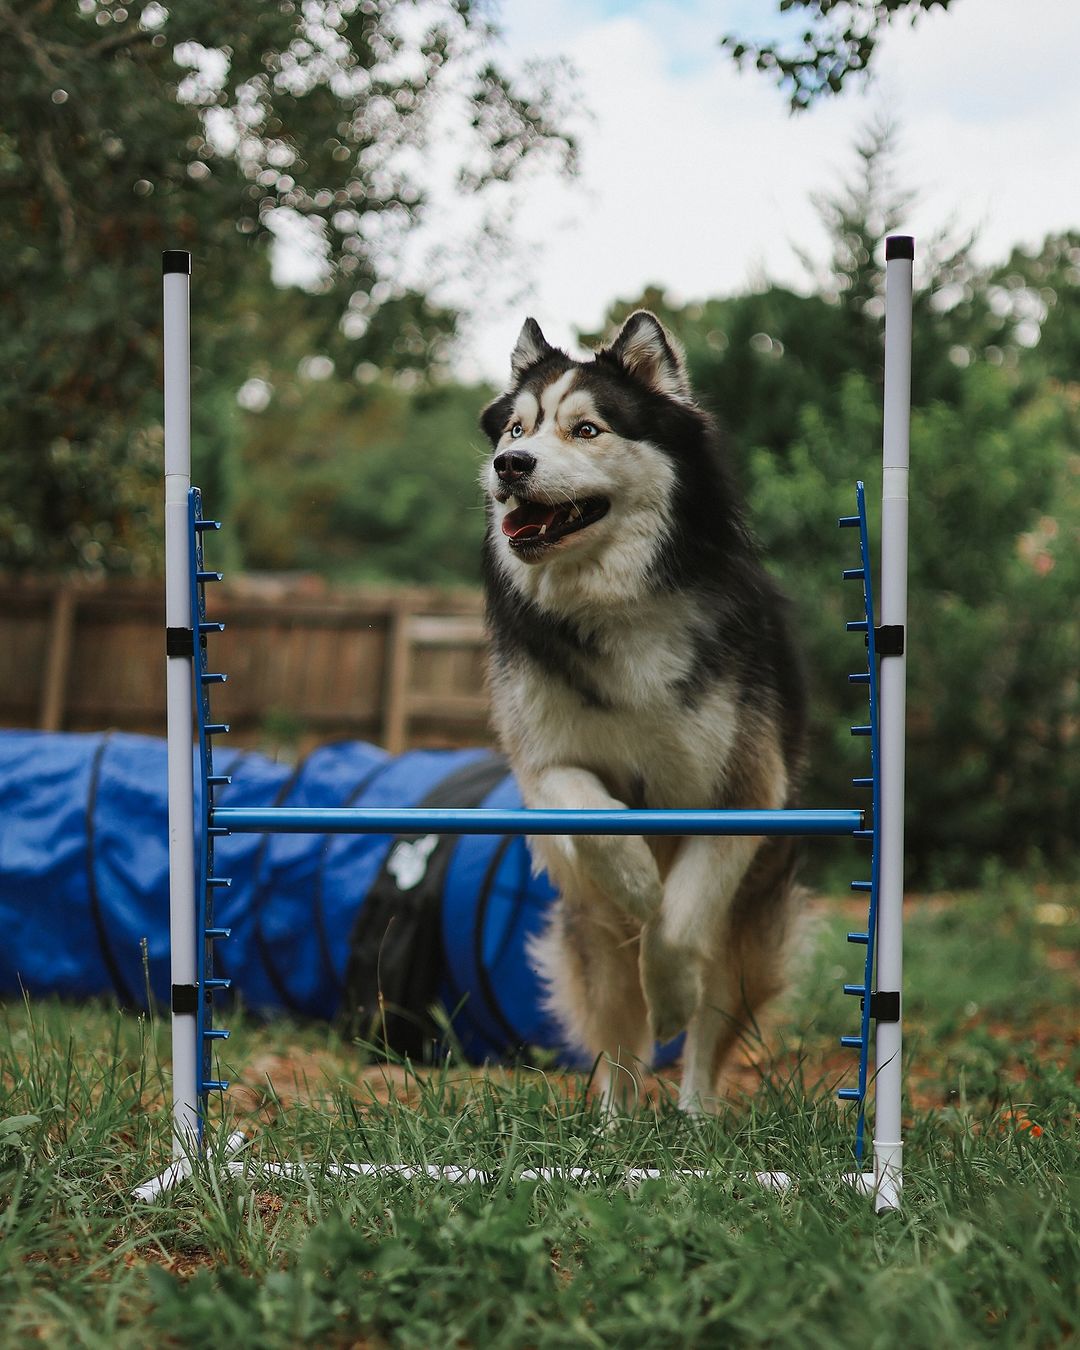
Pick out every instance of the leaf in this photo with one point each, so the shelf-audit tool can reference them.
(12, 1127)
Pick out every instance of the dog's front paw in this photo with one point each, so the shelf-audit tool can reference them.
(625, 870)
(672, 981)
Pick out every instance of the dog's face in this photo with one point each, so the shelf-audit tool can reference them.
(579, 473)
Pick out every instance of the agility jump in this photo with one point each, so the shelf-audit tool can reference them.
(195, 819)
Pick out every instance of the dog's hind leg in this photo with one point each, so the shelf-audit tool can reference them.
(588, 959)
(712, 1033)
(749, 969)
(735, 991)
(621, 867)
(678, 947)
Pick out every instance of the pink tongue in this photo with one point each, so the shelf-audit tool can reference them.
(526, 521)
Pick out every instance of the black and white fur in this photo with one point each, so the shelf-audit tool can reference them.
(640, 657)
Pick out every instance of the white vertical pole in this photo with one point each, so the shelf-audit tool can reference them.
(176, 269)
(888, 1082)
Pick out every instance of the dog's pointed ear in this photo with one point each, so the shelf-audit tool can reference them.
(647, 351)
(531, 347)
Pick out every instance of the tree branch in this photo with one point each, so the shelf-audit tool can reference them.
(25, 35)
(127, 38)
(58, 189)
(840, 41)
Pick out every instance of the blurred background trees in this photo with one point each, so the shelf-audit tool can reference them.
(214, 126)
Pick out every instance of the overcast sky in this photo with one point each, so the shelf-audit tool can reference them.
(693, 175)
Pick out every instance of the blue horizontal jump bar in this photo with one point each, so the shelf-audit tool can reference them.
(433, 820)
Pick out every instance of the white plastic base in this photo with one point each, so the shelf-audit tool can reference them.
(182, 1168)
(864, 1182)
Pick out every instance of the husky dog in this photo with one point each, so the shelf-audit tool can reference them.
(639, 658)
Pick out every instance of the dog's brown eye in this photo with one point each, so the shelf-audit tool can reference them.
(516, 430)
(587, 430)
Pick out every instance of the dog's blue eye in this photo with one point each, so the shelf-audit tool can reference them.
(516, 430)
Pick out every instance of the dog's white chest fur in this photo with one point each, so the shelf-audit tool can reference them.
(634, 729)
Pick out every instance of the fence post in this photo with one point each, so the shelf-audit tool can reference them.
(396, 674)
(58, 657)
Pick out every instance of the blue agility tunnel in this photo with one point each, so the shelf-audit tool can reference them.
(318, 922)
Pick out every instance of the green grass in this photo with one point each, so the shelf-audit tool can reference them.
(987, 1247)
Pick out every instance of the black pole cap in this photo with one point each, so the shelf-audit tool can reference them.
(899, 246)
(175, 260)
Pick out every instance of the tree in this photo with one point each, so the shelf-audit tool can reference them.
(994, 632)
(362, 482)
(1032, 310)
(839, 41)
(214, 126)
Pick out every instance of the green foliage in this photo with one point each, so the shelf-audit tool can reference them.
(375, 485)
(209, 126)
(837, 43)
(670, 1266)
(994, 635)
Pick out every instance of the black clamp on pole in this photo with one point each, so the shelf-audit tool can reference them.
(179, 642)
(185, 999)
(889, 639)
(885, 1005)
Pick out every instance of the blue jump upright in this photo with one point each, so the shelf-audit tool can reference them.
(864, 990)
(193, 878)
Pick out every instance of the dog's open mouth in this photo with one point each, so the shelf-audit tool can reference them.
(533, 526)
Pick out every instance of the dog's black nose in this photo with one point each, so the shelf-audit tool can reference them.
(514, 464)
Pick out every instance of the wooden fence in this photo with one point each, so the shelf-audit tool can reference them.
(304, 665)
